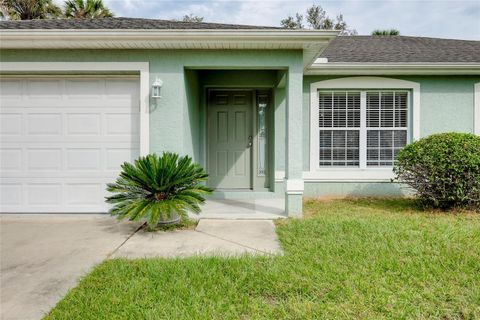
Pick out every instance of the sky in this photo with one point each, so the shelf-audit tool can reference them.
(457, 19)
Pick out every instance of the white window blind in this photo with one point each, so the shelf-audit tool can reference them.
(373, 120)
(339, 123)
(387, 113)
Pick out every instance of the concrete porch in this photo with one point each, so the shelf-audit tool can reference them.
(243, 208)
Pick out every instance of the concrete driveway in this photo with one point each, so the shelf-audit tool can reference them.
(44, 255)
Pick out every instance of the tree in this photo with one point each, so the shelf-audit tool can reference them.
(293, 23)
(28, 9)
(86, 9)
(317, 18)
(192, 18)
(391, 32)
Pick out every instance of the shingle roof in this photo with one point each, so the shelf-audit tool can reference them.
(351, 49)
(347, 49)
(119, 23)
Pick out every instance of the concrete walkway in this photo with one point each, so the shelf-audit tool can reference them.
(210, 237)
(43, 256)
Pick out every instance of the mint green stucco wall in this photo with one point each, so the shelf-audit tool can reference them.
(174, 120)
(177, 120)
(446, 104)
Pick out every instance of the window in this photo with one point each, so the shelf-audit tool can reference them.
(339, 123)
(361, 128)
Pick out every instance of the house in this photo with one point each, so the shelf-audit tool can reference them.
(267, 111)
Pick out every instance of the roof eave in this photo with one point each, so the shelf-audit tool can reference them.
(399, 68)
(311, 42)
(16, 38)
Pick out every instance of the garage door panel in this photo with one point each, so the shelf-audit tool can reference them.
(44, 194)
(11, 89)
(123, 93)
(48, 90)
(54, 195)
(45, 175)
(84, 89)
(84, 193)
(122, 124)
(63, 139)
(83, 159)
(84, 123)
(44, 124)
(115, 157)
(11, 123)
(43, 140)
(10, 158)
(10, 194)
(44, 159)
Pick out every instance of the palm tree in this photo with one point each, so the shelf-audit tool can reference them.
(160, 189)
(28, 9)
(86, 9)
(391, 32)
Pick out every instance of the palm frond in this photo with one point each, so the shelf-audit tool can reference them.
(154, 187)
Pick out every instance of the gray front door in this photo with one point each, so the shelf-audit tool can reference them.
(229, 139)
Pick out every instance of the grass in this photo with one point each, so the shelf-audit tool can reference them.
(348, 259)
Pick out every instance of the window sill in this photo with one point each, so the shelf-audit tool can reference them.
(349, 175)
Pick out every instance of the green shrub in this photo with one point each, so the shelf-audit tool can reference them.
(443, 169)
(158, 189)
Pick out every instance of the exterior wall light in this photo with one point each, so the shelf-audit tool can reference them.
(157, 88)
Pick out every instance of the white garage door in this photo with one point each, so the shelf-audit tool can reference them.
(63, 139)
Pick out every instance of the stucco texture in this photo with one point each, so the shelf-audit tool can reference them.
(177, 120)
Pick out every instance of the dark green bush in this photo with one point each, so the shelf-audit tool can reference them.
(443, 169)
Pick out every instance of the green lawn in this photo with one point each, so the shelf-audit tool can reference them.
(348, 259)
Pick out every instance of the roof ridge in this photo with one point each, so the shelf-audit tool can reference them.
(84, 21)
(406, 37)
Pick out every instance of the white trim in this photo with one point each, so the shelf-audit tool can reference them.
(340, 68)
(279, 175)
(363, 131)
(357, 83)
(349, 175)
(476, 124)
(167, 39)
(141, 67)
(342, 175)
(294, 185)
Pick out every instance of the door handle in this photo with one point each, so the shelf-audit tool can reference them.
(250, 143)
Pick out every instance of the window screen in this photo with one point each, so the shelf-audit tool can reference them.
(339, 124)
(387, 113)
(384, 126)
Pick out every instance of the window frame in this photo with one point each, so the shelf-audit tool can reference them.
(334, 128)
(363, 85)
(476, 111)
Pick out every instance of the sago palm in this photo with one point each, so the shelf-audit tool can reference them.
(156, 188)
(86, 9)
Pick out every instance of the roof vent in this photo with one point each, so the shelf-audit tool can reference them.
(321, 60)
